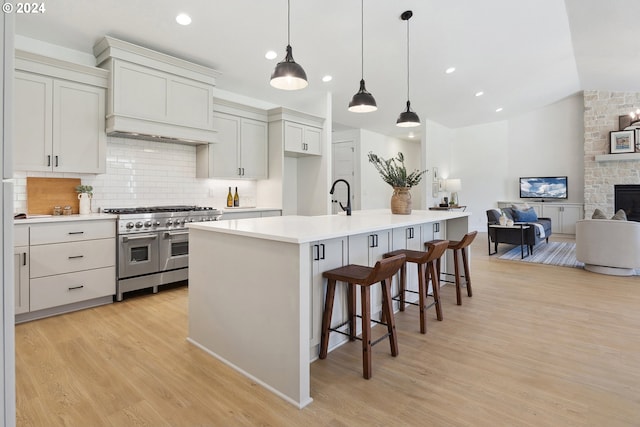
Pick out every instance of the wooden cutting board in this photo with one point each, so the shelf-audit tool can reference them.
(45, 193)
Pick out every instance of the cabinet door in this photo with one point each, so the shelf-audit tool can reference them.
(294, 137)
(33, 118)
(224, 157)
(571, 215)
(326, 255)
(313, 140)
(555, 213)
(21, 278)
(79, 138)
(253, 148)
(409, 238)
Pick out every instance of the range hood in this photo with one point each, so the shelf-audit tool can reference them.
(154, 96)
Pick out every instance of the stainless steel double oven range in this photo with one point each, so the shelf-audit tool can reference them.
(153, 244)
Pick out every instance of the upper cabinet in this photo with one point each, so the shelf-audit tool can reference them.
(59, 116)
(242, 147)
(156, 96)
(301, 133)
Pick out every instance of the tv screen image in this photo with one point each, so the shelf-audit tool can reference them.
(547, 187)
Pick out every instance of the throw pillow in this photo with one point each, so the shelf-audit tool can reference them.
(598, 214)
(620, 215)
(528, 215)
(521, 207)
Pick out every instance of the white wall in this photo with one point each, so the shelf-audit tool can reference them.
(436, 149)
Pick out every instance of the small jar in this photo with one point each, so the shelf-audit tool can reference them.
(67, 210)
(57, 210)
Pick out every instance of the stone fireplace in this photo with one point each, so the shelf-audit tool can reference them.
(601, 111)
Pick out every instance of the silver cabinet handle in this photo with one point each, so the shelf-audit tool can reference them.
(175, 233)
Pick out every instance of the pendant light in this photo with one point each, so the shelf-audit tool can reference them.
(407, 118)
(288, 74)
(363, 101)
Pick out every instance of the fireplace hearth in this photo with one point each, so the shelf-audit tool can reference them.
(627, 198)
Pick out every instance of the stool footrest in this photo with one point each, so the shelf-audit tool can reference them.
(337, 330)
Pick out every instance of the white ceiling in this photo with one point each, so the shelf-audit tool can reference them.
(522, 54)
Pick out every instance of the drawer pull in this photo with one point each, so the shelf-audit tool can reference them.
(76, 232)
(76, 287)
(24, 258)
(76, 256)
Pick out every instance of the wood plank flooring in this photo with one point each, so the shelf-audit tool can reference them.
(537, 346)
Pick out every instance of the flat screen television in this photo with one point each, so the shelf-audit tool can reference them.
(543, 187)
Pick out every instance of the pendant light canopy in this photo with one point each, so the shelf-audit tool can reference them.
(363, 101)
(407, 118)
(288, 74)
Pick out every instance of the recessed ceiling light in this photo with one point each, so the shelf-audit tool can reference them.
(327, 78)
(450, 70)
(271, 54)
(479, 93)
(498, 109)
(183, 19)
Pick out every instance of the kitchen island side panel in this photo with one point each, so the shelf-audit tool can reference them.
(248, 306)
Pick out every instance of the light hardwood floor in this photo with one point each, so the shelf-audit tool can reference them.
(536, 346)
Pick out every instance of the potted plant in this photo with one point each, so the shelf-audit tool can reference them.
(85, 193)
(394, 172)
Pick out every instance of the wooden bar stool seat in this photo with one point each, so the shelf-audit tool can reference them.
(425, 262)
(459, 248)
(365, 277)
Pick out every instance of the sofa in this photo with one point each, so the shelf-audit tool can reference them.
(539, 231)
(608, 246)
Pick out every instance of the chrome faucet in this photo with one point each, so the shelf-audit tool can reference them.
(348, 207)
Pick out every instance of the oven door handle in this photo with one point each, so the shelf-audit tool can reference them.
(175, 233)
(125, 239)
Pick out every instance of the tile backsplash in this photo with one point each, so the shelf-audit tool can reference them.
(147, 173)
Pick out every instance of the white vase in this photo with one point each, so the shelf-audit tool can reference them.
(85, 203)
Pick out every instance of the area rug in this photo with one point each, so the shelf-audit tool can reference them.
(552, 253)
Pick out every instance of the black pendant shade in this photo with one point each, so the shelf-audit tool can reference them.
(288, 74)
(408, 118)
(363, 101)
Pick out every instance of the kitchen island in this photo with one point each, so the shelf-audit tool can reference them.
(256, 291)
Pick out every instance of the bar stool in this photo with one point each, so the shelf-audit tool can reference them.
(425, 261)
(365, 277)
(459, 246)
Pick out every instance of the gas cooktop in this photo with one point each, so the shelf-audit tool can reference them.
(154, 209)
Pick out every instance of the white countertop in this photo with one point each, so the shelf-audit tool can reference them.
(303, 229)
(35, 219)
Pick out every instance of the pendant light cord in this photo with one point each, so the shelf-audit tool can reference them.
(288, 22)
(407, 59)
(362, 39)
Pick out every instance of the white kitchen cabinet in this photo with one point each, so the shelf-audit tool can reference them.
(242, 147)
(21, 269)
(59, 122)
(563, 217)
(302, 139)
(71, 266)
(367, 249)
(326, 255)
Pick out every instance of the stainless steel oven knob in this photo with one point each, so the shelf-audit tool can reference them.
(147, 224)
(139, 224)
(129, 225)
(169, 222)
(191, 220)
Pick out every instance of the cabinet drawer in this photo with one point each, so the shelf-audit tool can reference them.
(72, 231)
(58, 258)
(20, 235)
(53, 291)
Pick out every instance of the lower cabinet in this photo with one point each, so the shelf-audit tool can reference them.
(21, 269)
(326, 255)
(66, 266)
(563, 215)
